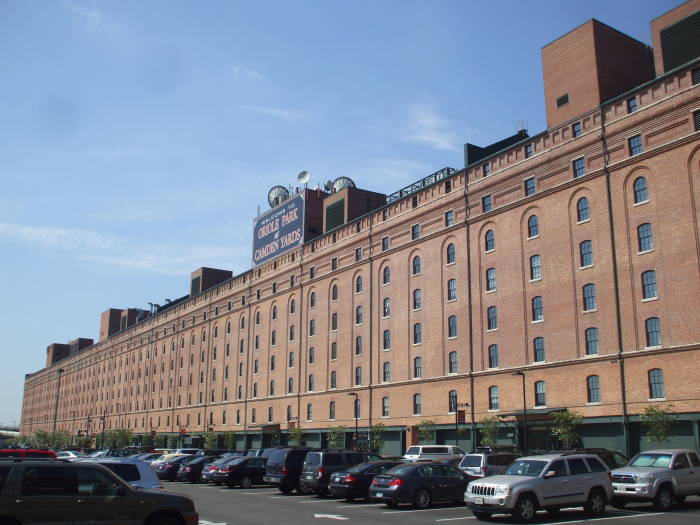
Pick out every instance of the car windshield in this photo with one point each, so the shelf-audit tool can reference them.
(651, 460)
(529, 467)
(471, 461)
(236, 461)
(412, 451)
(401, 469)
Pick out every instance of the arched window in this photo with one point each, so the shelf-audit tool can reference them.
(452, 290)
(586, 253)
(334, 321)
(417, 404)
(645, 237)
(257, 342)
(537, 308)
(491, 318)
(358, 315)
(358, 375)
(490, 279)
(386, 275)
(540, 394)
(312, 355)
(334, 292)
(255, 390)
(272, 387)
(358, 284)
(489, 241)
(538, 344)
(535, 267)
(451, 253)
(386, 340)
(257, 318)
(216, 332)
(312, 383)
(494, 401)
(583, 211)
(385, 407)
(418, 368)
(452, 326)
(333, 379)
(656, 383)
(641, 191)
(452, 401)
(252, 415)
(273, 338)
(292, 306)
(243, 323)
(453, 365)
(417, 299)
(290, 385)
(274, 312)
(649, 284)
(312, 300)
(289, 412)
(309, 411)
(312, 327)
(533, 226)
(291, 359)
(357, 411)
(358, 345)
(494, 357)
(593, 387)
(273, 362)
(591, 341)
(416, 265)
(653, 331)
(386, 372)
(386, 307)
(417, 334)
(334, 350)
(589, 302)
(331, 410)
(228, 327)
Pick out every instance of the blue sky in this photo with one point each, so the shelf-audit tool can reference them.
(137, 139)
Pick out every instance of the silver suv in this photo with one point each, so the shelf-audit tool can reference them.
(550, 482)
(486, 462)
(659, 476)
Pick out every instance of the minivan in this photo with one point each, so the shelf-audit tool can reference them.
(283, 468)
(436, 452)
(319, 465)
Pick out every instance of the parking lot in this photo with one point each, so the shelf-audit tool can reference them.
(265, 506)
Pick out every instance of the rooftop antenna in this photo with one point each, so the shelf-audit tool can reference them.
(304, 177)
(328, 186)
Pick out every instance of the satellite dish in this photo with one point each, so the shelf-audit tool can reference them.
(277, 195)
(342, 182)
(304, 177)
(328, 186)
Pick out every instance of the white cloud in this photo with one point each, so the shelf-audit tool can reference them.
(244, 72)
(426, 126)
(91, 18)
(116, 250)
(284, 114)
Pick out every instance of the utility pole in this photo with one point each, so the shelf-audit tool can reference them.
(525, 443)
(354, 410)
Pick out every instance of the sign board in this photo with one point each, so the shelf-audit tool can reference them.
(279, 230)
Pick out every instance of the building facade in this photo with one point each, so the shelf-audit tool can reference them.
(554, 272)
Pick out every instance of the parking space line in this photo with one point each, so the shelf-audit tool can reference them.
(318, 501)
(419, 510)
(609, 518)
(455, 519)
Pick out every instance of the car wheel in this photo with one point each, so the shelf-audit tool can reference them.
(679, 500)
(482, 516)
(421, 499)
(595, 504)
(525, 509)
(664, 498)
(246, 482)
(286, 489)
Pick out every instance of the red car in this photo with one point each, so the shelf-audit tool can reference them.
(26, 453)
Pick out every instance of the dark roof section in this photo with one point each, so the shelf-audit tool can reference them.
(473, 154)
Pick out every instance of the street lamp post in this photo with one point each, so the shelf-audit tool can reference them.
(355, 413)
(103, 418)
(58, 395)
(525, 443)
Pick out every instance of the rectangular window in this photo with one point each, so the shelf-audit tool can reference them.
(636, 145)
(563, 100)
(358, 254)
(385, 243)
(486, 203)
(486, 170)
(312, 272)
(415, 231)
(579, 166)
(631, 105)
(334, 263)
(385, 214)
(529, 187)
(576, 129)
(696, 120)
(449, 218)
(528, 150)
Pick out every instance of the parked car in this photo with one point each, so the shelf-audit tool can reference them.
(26, 453)
(166, 457)
(486, 462)
(612, 459)
(320, 465)
(135, 472)
(192, 470)
(355, 481)
(549, 481)
(416, 452)
(117, 453)
(208, 470)
(187, 451)
(418, 483)
(50, 491)
(283, 468)
(148, 458)
(660, 476)
(212, 452)
(69, 454)
(168, 469)
(243, 471)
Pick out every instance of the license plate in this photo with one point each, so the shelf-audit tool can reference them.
(479, 501)
(380, 494)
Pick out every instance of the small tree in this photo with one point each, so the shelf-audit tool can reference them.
(41, 439)
(172, 441)
(230, 440)
(565, 427)
(159, 441)
(209, 440)
(426, 431)
(378, 432)
(147, 441)
(489, 431)
(296, 436)
(336, 437)
(122, 437)
(84, 442)
(658, 423)
(59, 439)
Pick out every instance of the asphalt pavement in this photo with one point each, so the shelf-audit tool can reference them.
(266, 506)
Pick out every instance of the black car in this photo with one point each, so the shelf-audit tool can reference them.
(283, 468)
(320, 465)
(354, 482)
(168, 469)
(243, 471)
(420, 484)
(192, 470)
(212, 452)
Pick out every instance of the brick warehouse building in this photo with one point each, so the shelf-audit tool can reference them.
(555, 271)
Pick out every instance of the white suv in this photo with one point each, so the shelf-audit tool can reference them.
(431, 452)
(549, 481)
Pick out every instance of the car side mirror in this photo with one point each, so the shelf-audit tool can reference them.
(550, 474)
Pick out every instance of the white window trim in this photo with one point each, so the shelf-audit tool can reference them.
(650, 299)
